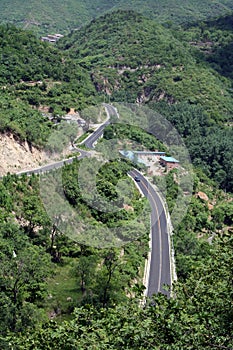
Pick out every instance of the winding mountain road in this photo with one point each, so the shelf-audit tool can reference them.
(159, 268)
(91, 140)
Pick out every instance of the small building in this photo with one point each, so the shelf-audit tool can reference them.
(74, 118)
(169, 162)
(58, 35)
(48, 39)
(52, 38)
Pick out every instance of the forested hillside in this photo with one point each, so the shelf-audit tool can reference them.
(46, 17)
(135, 59)
(61, 292)
(57, 293)
(213, 41)
(34, 74)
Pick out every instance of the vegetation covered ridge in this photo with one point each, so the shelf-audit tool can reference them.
(66, 295)
(36, 77)
(135, 59)
(63, 16)
(60, 293)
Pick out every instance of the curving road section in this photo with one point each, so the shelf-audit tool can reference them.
(92, 139)
(55, 165)
(159, 274)
(88, 142)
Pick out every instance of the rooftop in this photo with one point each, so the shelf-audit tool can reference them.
(150, 152)
(169, 159)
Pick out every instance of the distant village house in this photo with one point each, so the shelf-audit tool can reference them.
(169, 162)
(52, 38)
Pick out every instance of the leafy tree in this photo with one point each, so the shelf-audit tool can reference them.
(199, 316)
(85, 271)
(23, 274)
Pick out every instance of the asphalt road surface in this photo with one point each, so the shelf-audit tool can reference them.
(160, 269)
(55, 165)
(90, 141)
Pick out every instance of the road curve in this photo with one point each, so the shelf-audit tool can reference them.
(91, 140)
(160, 267)
(54, 165)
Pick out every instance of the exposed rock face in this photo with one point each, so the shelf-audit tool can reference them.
(202, 196)
(16, 156)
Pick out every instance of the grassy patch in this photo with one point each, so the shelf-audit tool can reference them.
(83, 136)
(63, 291)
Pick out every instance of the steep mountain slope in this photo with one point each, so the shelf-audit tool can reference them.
(20, 48)
(48, 16)
(16, 156)
(135, 59)
(214, 40)
(44, 274)
(178, 11)
(33, 74)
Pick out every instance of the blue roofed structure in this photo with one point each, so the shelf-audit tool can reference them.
(169, 159)
(169, 162)
(165, 161)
